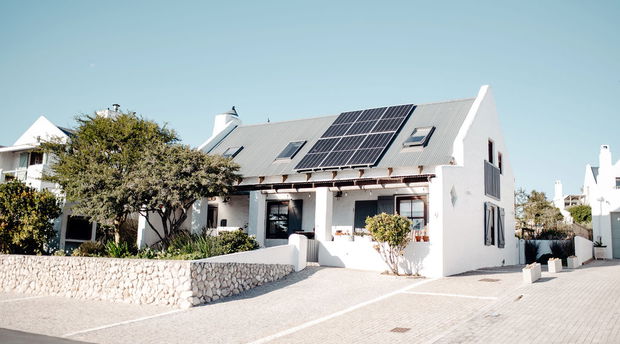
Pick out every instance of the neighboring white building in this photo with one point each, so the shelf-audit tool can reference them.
(21, 161)
(601, 190)
(443, 165)
(563, 202)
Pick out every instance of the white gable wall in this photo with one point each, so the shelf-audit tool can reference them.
(42, 129)
(463, 246)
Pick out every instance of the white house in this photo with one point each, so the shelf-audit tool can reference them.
(601, 190)
(443, 165)
(563, 202)
(21, 161)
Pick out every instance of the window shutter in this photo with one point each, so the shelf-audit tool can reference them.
(500, 228)
(294, 215)
(488, 224)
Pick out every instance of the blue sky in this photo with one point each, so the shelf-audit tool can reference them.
(553, 66)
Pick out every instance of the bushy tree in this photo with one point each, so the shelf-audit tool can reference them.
(26, 218)
(534, 211)
(94, 166)
(581, 213)
(393, 233)
(172, 177)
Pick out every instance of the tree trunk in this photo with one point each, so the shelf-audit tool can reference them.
(117, 231)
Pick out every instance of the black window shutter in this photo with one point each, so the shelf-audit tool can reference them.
(500, 228)
(385, 204)
(295, 208)
(363, 209)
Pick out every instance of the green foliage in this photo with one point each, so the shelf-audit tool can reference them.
(59, 253)
(26, 218)
(534, 211)
(171, 177)
(393, 233)
(89, 249)
(544, 259)
(581, 213)
(236, 241)
(554, 234)
(120, 250)
(93, 168)
(531, 251)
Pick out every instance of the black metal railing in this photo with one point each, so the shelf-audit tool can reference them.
(491, 180)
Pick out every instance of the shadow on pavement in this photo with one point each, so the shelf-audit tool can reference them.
(19, 337)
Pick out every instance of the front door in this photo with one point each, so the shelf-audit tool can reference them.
(615, 234)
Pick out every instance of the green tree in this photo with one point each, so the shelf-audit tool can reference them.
(170, 178)
(26, 218)
(393, 233)
(539, 213)
(581, 213)
(94, 166)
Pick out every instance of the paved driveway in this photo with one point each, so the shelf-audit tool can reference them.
(346, 306)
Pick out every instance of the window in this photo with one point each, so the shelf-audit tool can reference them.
(413, 208)
(290, 150)
(617, 183)
(79, 228)
(500, 163)
(277, 220)
(232, 152)
(494, 220)
(419, 137)
(491, 152)
(23, 160)
(36, 158)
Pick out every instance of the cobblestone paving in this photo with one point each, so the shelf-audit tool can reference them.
(326, 305)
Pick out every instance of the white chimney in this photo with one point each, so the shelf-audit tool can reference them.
(559, 192)
(605, 178)
(224, 119)
(604, 157)
(107, 113)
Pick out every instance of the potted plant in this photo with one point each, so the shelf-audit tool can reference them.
(599, 250)
(572, 262)
(554, 265)
(342, 236)
(418, 236)
(425, 236)
(531, 273)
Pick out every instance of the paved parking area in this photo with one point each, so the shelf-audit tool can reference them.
(333, 305)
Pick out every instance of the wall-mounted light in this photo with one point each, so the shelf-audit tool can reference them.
(338, 194)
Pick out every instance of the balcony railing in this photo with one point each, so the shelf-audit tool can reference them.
(492, 180)
(20, 174)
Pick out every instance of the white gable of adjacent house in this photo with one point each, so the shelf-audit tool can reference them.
(41, 130)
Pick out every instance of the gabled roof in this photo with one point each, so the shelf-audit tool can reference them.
(263, 142)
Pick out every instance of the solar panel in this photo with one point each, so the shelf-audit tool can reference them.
(356, 138)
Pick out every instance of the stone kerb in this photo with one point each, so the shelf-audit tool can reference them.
(164, 282)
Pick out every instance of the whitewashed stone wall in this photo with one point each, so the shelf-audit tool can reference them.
(165, 282)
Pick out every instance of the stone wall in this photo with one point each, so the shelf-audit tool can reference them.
(165, 282)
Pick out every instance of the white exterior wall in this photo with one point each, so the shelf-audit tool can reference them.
(602, 195)
(235, 211)
(463, 224)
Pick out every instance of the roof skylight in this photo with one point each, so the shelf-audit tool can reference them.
(231, 152)
(419, 137)
(290, 150)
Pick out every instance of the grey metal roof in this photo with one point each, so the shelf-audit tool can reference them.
(595, 173)
(263, 142)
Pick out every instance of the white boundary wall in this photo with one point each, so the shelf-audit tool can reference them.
(292, 254)
(583, 249)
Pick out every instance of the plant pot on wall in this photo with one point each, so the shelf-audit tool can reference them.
(425, 238)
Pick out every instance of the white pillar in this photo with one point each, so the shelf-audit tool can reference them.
(323, 214)
(199, 215)
(142, 228)
(258, 208)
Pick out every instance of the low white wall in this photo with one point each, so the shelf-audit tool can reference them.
(362, 255)
(292, 254)
(583, 249)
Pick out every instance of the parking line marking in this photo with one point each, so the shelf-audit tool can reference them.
(23, 298)
(451, 295)
(122, 323)
(497, 271)
(336, 314)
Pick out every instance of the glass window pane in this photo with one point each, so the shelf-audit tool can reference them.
(405, 208)
(417, 208)
(418, 224)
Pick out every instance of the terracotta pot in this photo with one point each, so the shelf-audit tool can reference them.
(418, 238)
(425, 238)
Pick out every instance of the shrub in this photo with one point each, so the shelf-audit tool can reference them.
(531, 251)
(120, 250)
(554, 234)
(236, 241)
(562, 249)
(26, 218)
(59, 253)
(392, 232)
(89, 249)
(581, 213)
